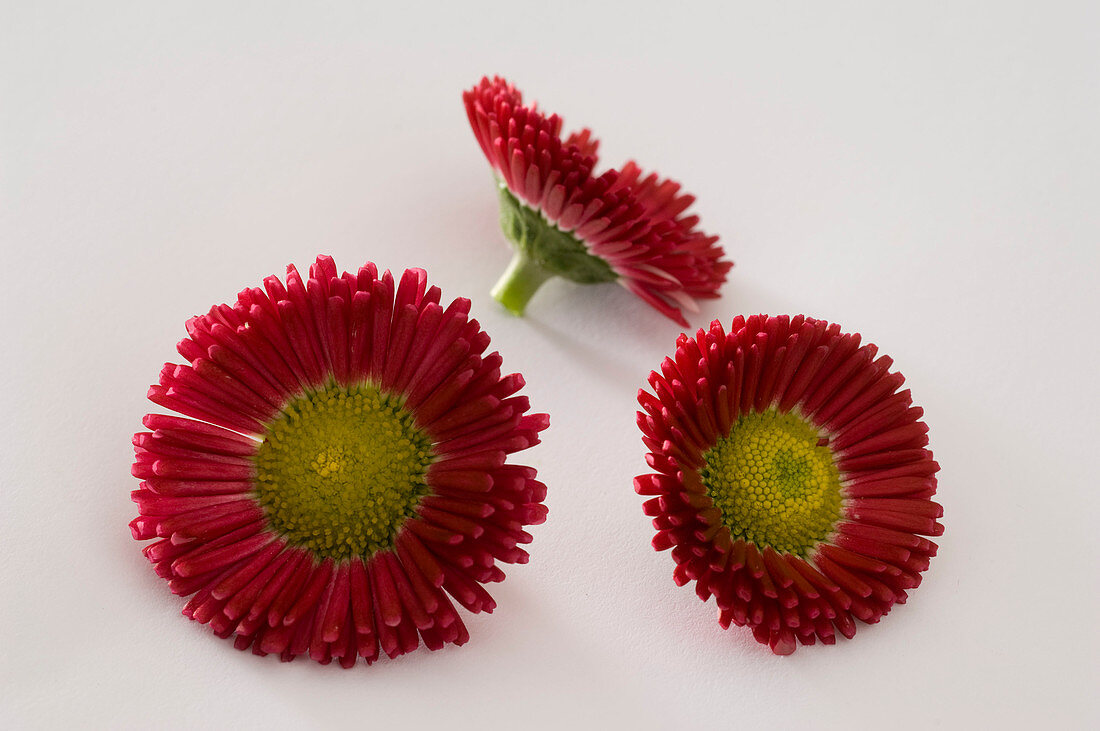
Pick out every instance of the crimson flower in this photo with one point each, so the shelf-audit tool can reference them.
(791, 477)
(343, 474)
(564, 220)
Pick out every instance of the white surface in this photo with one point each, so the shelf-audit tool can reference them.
(925, 175)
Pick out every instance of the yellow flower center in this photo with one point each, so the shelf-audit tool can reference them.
(341, 469)
(775, 482)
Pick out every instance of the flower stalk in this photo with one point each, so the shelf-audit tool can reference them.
(520, 281)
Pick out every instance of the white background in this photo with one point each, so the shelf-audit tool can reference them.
(924, 173)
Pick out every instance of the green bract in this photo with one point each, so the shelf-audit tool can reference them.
(542, 251)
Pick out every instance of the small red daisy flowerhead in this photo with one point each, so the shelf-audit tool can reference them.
(792, 480)
(342, 474)
(564, 220)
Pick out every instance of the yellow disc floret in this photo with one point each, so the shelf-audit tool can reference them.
(775, 482)
(341, 469)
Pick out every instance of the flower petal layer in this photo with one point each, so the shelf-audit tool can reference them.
(198, 504)
(878, 548)
(636, 223)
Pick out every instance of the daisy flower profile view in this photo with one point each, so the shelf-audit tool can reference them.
(337, 470)
(564, 220)
(791, 477)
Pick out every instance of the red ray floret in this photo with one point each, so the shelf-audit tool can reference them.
(876, 550)
(636, 224)
(213, 541)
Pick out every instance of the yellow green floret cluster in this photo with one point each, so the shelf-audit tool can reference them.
(775, 482)
(341, 469)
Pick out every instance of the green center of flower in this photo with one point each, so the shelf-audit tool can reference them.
(341, 469)
(775, 482)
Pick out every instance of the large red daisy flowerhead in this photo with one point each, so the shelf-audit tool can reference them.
(792, 480)
(565, 220)
(340, 472)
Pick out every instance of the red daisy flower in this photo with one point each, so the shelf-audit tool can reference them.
(792, 480)
(564, 220)
(343, 475)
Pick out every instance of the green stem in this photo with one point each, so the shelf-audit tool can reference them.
(519, 282)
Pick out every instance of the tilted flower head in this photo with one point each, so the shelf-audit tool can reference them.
(342, 475)
(564, 220)
(792, 480)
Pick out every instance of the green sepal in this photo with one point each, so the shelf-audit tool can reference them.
(542, 243)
